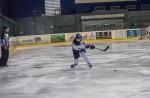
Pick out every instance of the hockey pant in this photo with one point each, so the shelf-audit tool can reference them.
(84, 55)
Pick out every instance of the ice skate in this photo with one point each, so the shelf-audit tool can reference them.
(73, 65)
(90, 65)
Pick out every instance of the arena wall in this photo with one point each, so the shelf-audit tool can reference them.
(66, 38)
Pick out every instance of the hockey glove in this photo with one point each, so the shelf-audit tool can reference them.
(92, 47)
(88, 46)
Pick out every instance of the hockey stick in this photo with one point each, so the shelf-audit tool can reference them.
(103, 49)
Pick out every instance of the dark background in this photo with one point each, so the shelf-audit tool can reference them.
(27, 17)
(25, 8)
(22, 8)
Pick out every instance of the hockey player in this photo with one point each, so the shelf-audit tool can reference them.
(79, 48)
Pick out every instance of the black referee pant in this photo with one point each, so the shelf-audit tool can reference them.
(4, 56)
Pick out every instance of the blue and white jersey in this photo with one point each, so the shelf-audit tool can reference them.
(5, 39)
(79, 47)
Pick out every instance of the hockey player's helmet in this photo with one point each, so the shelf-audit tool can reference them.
(78, 37)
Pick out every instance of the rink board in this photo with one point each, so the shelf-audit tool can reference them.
(66, 38)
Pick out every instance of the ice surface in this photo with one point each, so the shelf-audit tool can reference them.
(44, 72)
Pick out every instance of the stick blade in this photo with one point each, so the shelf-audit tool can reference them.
(106, 48)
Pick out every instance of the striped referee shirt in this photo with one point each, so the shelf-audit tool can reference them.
(5, 39)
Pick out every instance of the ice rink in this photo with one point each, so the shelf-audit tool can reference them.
(44, 72)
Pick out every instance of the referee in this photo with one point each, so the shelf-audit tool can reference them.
(4, 46)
